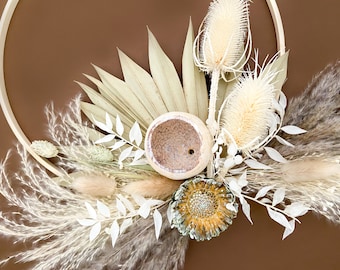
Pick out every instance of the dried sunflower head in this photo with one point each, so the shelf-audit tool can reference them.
(202, 208)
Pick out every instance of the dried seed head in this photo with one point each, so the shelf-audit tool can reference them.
(94, 185)
(44, 149)
(203, 208)
(154, 186)
(248, 112)
(98, 153)
(220, 43)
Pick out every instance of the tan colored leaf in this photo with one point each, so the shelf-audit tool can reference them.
(126, 96)
(194, 85)
(142, 85)
(278, 65)
(165, 76)
(94, 112)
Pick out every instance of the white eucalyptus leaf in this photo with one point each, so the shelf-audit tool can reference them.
(273, 123)
(229, 163)
(105, 139)
(92, 212)
(277, 107)
(114, 232)
(283, 100)
(157, 219)
(108, 121)
(296, 209)
(125, 154)
(231, 207)
(278, 196)
(125, 224)
(95, 231)
(138, 154)
(246, 209)
(263, 192)
(254, 164)
(140, 200)
(242, 181)
(135, 134)
(102, 126)
(234, 187)
(139, 162)
(87, 222)
(275, 155)
(119, 126)
(293, 130)
(169, 214)
(103, 209)
(117, 145)
(266, 200)
(278, 217)
(283, 141)
(144, 210)
(127, 203)
(289, 231)
(121, 207)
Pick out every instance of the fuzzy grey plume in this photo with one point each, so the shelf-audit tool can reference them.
(312, 174)
(317, 110)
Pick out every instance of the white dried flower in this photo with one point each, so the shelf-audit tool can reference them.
(248, 112)
(44, 149)
(99, 153)
(220, 43)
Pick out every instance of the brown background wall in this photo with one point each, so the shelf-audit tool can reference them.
(51, 43)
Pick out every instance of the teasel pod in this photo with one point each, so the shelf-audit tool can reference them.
(221, 47)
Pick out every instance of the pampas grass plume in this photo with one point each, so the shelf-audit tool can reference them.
(223, 34)
(94, 185)
(155, 187)
(310, 170)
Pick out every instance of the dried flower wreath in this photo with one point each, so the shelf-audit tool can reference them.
(160, 160)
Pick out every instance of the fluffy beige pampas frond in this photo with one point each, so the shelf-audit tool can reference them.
(47, 215)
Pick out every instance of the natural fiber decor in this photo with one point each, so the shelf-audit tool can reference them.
(161, 158)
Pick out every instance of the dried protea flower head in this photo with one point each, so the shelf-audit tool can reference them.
(220, 43)
(202, 208)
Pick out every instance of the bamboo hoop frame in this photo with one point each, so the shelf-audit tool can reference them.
(5, 103)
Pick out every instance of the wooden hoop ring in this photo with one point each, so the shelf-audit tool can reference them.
(6, 106)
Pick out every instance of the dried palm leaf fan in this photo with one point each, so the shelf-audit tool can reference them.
(158, 148)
